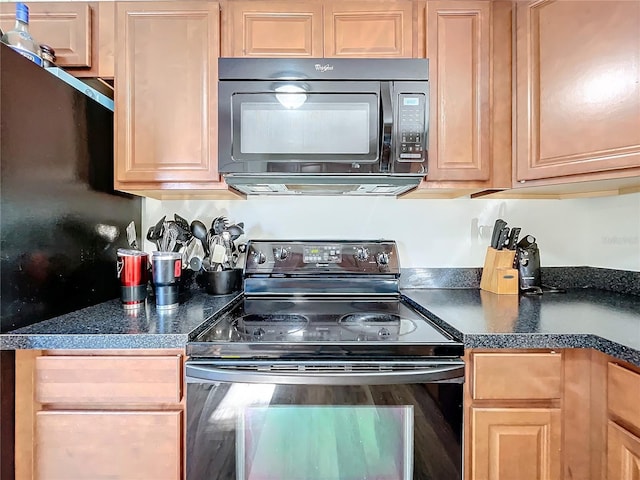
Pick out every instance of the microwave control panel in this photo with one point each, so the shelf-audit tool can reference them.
(412, 111)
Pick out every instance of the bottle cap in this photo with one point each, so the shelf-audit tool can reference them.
(22, 12)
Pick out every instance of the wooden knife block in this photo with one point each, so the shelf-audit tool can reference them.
(498, 274)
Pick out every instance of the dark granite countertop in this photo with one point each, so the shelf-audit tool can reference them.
(109, 325)
(581, 318)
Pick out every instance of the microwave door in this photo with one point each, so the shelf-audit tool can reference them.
(325, 128)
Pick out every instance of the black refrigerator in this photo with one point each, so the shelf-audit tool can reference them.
(61, 220)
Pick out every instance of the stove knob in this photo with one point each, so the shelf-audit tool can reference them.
(259, 257)
(382, 258)
(280, 253)
(362, 254)
(258, 332)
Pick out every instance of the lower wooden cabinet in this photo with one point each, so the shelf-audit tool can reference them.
(92, 445)
(513, 415)
(623, 454)
(100, 414)
(516, 443)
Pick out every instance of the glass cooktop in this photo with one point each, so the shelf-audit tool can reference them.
(299, 320)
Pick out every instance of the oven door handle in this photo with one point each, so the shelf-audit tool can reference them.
(208, 373)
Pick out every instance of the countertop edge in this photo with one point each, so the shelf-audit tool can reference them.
(533, 340)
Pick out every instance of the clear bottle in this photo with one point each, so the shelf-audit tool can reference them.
(20, 39)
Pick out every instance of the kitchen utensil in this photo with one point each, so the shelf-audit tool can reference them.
(228, 247)
(502, 238)
(219, 224)
(218, 256)
(497, 229)
(513, 238)
(181, 222)
(235, 231)
(527, 241)
(133, 272)
(166, 268)
(199, 230)
(131, 236)
(170, 237)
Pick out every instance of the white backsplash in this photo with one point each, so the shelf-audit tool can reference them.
(597, 232)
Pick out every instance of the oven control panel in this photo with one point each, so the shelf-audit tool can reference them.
(322, 257)
(321, 253)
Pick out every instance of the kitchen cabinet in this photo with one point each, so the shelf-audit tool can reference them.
(577, 91)
(623, 428)
(510, 443)
(89, 407)
(272, 29)
(81, 33)
(468, 44)
(381, 29)
(513, 406)
(166, 99)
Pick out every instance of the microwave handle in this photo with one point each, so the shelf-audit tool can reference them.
(387, 125)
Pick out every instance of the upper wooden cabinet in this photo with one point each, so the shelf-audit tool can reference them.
(81, 33)
(318, 29)
(368, 29)
(458, 51)
(166, 97)
(577, 90)
(272, 29)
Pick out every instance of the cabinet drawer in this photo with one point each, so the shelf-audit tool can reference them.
(623, 394)
(517, 376)
(109, 379)
(77, 445)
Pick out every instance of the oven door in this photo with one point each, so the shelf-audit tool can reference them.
(258, 420)
(302, 127)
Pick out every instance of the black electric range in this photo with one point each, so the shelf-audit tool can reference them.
(313, 299)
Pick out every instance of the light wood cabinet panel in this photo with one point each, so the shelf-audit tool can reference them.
(93, 445)
(273, 29)
(166, 95)
(113, 380)
(623, 394)
(623, 454)
(577, 88)
(458, 44)
(368, 29)
(64, 26)
(515, 443)
(513, 376)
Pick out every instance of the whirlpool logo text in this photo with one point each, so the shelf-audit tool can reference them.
(323, 68)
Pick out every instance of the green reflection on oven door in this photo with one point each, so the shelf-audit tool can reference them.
(325, 443)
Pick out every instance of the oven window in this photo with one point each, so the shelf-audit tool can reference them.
(321, 442)
(245, 431)
(331, 127)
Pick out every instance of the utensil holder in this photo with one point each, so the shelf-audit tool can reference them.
(498, 274)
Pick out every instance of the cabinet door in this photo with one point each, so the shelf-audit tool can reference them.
(272, 29)
(623, 454)
(578, 87)
(91, 445)
(368, 29)
(510, 443)
(458, 53)
(166, 95)
(64, 26)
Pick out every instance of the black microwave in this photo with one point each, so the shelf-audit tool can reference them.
(363, 123)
